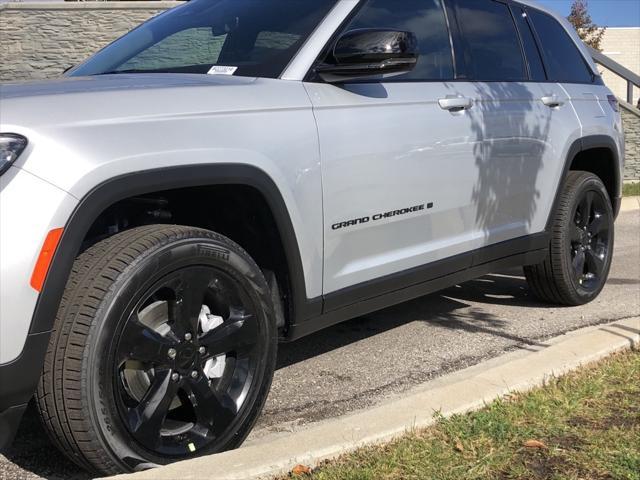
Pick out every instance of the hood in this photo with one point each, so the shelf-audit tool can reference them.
(108, 98)
(115, 82)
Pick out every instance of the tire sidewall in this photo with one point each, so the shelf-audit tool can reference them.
(110, 318)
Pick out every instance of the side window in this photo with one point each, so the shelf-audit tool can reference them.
(493, 50)
(426, 19)
(563, 59)
(536, 68)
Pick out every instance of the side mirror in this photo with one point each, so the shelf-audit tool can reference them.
(371, 53)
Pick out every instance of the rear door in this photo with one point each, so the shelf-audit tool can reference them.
(504, 68)
(398, 170)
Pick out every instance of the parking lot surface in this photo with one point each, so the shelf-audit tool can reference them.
(363, 361)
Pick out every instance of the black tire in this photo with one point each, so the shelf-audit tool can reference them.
(86, 395)
(581, 245)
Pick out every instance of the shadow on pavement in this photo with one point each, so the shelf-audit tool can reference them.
(507, 288)
(33, 451)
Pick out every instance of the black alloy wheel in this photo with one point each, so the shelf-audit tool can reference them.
(164, 348)
(590, 240)
(185, 360)
(581, 244)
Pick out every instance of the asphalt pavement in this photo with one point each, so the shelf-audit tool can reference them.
(364, 361)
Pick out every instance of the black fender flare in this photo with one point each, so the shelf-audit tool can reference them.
(20, 376)
(580, 145)
(148, 181)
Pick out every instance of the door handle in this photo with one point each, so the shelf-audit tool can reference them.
(455, 104)
(552, 101)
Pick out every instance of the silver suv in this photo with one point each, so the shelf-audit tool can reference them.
(235, 173)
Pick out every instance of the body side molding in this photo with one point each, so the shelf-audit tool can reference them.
(370, 303)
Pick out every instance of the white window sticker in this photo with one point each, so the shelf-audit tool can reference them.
(221, 70)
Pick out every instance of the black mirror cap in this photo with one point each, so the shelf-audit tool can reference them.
(374, 45)
(374, 53)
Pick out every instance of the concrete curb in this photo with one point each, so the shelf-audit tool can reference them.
(630, 204)
(459, 392)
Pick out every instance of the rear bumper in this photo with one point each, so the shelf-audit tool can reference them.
(18, 381)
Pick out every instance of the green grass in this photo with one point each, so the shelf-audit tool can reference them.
(631, 189)
(589, 422)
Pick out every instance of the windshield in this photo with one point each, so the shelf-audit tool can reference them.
(253, 38)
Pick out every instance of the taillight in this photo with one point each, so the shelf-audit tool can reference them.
(613, 102)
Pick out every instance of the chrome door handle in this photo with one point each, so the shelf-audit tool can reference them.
(455, 104)
(552, 101)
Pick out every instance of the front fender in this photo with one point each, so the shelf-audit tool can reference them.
(142, 182)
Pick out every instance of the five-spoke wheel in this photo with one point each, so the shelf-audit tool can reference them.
(176, 337)
(581, 244)
(182, 371)
(590, 239)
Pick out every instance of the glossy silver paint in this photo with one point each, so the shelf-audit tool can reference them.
(335, 152)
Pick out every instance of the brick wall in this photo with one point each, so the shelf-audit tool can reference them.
(631, 119)
(41, 40)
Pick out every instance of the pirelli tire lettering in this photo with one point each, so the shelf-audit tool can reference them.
(380, 216)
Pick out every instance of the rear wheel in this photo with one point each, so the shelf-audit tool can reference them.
(581, 246)
(164, 348)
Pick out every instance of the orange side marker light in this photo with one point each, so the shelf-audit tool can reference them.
(45, 257)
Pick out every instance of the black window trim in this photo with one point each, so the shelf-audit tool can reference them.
(457, 43)
(523, 52)
(595, 79)
(312, 77)
(515, 8)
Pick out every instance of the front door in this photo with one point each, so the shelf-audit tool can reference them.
(399, 158)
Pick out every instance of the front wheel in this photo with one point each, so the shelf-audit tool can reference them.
(164, 348)
(581, 247)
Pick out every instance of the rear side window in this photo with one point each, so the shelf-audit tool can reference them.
(536, 68)
(493, 51)
(563, 60)
(426, 19)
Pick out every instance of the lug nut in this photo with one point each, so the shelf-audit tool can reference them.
(175, 377)
(172, 353)
(202, 350)
(194, 374)
(187, 336)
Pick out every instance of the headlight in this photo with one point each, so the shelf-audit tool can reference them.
(11, 146)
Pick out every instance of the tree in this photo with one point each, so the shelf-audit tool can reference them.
(589, 32)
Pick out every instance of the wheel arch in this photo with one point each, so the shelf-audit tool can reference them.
(100, 198)
(597, 154)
